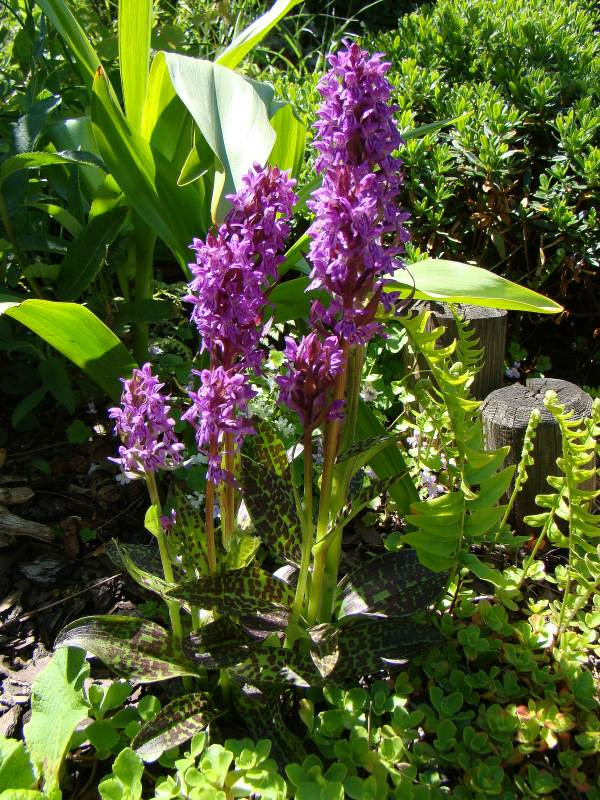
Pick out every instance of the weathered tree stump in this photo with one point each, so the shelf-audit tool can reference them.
(505, 414)
(489, 325)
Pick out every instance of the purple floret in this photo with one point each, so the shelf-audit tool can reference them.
(312, 368)
(234, 265)
(358, 231)
(144, 425)
(219, 407)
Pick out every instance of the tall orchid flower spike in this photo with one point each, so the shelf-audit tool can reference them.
(144, 426)
(358, 231)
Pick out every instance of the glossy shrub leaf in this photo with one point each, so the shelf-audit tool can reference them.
(175, 724)
(86, 254)
(243, 591)
(388, 462)
(57, 707)
(71, 31)
(245, 41)
(134, 648)
(79, 335)
(269, 495)
(393, 583)
(231, 115)
(438, 279)
(134, 28)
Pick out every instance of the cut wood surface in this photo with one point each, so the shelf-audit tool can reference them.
(505, 414)
(489, 325)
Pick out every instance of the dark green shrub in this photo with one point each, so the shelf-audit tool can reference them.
(514, 186)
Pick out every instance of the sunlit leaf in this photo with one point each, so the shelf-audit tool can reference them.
(393, 583)
(175, 724)
(134, 648)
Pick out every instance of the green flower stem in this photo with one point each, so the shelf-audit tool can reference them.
(172, 605)
(143, 247)
(331, 449)
(341, 481)
(228, 495)
(209, 525)
(307, 537)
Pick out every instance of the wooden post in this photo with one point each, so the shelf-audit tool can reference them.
(489, 325)
(505, 414)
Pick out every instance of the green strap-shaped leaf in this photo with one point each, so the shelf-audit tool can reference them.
(86, 254)
(134, 648)
(79, 335)
(40, 159)
(393, 583)
(175, 724)
(146, 178)
(134, 28)
(244, 591)
(453, 282)
(268, 493)
(388, 462)
(288, 150)
(248, 38)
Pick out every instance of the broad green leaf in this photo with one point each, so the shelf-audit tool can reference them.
(244, 591)
(388, 462)
(77, 42)
(76, 134)
(231, 115)
(394, 583)
(125, 780)
(245, 41)
(86, 254)
(134, 28)
(134, 648)
(438, 279)
(79, 335)
(288, 151)
(147, 179)
(57, 707)
(269, 496)
(61, 215)
(16, 769)
(42, 159)
(290, 300)
(175, 724)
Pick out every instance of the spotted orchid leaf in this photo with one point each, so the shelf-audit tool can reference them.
(359, 646)
(361, 499)
(135, 561)
(275, 667)
(219, 644)
(186, 539)
(174, 724)
(134, 648)
(243, 591)
(261, 714)
(269, 495)
(393, 583)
